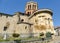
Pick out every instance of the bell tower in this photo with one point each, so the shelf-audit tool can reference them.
(31, 7)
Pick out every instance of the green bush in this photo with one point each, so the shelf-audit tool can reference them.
(15, 35)
(48, 34)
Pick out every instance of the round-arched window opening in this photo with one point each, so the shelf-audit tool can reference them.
(22, 20)
(5, 28)
(25, 27)
(28, 13)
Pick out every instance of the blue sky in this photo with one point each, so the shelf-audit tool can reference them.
(11, 6)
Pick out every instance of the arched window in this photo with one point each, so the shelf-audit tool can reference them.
(25, 27)
(34, 6)
(5, 28)
(29, 13)
(7, 25)
(29, 7)
(22, 20)
(36, 21)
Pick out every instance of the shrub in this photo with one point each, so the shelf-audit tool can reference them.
(15, 35)
(48, 34)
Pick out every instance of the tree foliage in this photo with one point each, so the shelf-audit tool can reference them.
(15, 35)
(48, 34)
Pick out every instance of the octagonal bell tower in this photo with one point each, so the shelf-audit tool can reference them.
(31, 7)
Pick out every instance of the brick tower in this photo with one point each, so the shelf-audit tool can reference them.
(31, 7)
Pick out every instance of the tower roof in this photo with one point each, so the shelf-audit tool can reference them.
(31, 2)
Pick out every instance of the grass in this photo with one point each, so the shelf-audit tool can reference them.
(2, 40)
(18, 38)
(9, 39)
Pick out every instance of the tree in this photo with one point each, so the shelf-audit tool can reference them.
(48, 34)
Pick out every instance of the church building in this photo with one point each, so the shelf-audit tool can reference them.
(32, 22)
